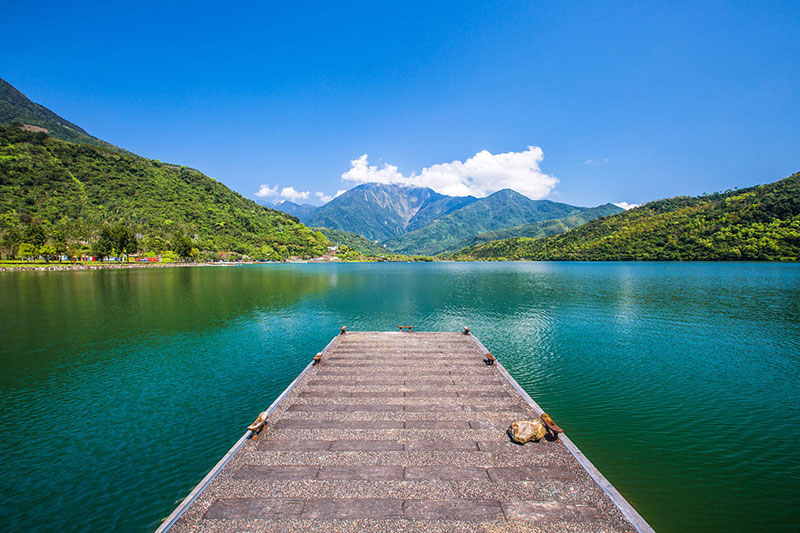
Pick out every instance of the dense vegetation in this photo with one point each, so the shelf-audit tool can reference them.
(455, 230)
(61, 195)
(547, 228)
(16, 108)
(758, 223)
(360, 244)
(87, 197)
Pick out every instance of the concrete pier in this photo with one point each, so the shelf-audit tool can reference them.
(403, 431)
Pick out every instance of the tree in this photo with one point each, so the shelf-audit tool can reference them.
(26, 251)
(182, 245)
(116, 239)
(72, 252)
(124, 239)
(59, 241)
(47, 251)
(11, 240)
(104, 244)
(35, 235)
(156, 244)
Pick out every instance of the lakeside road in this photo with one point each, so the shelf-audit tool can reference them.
(43, 267)
(39, 267)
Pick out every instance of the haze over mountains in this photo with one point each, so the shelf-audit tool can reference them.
(418, 220)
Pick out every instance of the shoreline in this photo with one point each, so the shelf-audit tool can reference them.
(64, 267)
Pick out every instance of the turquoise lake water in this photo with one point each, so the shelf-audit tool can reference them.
(680, 381)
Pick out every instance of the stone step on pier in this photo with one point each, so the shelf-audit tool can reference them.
(403, 432)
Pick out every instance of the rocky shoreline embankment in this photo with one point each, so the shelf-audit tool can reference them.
(82, 266)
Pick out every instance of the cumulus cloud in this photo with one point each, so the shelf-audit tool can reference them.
(480, 175)
(291, 194)
(266, 191)
(288, 193)
(626, 205)
(325, 198)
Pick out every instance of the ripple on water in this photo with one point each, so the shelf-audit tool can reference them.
(679, 381)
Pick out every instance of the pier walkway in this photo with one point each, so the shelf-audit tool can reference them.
(402, 432)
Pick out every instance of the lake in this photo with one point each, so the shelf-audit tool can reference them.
(680, 381)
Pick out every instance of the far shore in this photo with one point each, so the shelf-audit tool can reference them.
(108, 265)
(43, 267)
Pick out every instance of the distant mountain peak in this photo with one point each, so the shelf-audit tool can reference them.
(294, 209)
(381, 211)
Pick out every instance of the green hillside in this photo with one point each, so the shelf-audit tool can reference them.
(15, 107)
(502, 209)
(547, 228)
(355, 241)
(63, 194)
(758, 223)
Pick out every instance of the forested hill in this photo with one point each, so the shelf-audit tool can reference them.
(61, 194)
(758, 223)
(502, 209)
(15, 107)
(355, 241)
(546, 228)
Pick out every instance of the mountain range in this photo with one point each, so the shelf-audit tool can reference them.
(381, 212)
(547, 228)
(294, 209)
(61, 189)
(418, 220)
(503, 209)
(760, 223)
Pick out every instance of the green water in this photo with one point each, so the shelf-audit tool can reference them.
(121, 389)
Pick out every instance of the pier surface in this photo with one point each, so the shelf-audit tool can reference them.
(403, 432)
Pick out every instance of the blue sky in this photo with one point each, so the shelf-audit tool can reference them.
(628, 101)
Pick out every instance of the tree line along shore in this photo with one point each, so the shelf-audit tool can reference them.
(60, 200)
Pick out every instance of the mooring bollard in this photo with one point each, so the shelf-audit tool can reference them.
(344, 328)
(489, 359)
(259, 424)
(466, 330)
(317, 358)
(551, 426)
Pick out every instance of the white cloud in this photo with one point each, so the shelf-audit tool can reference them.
(265, 191)
(291, 194)
(480, 175)
(288, 193)
(626, 205)
(325, 198)
(596, 161)
(361, 172)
